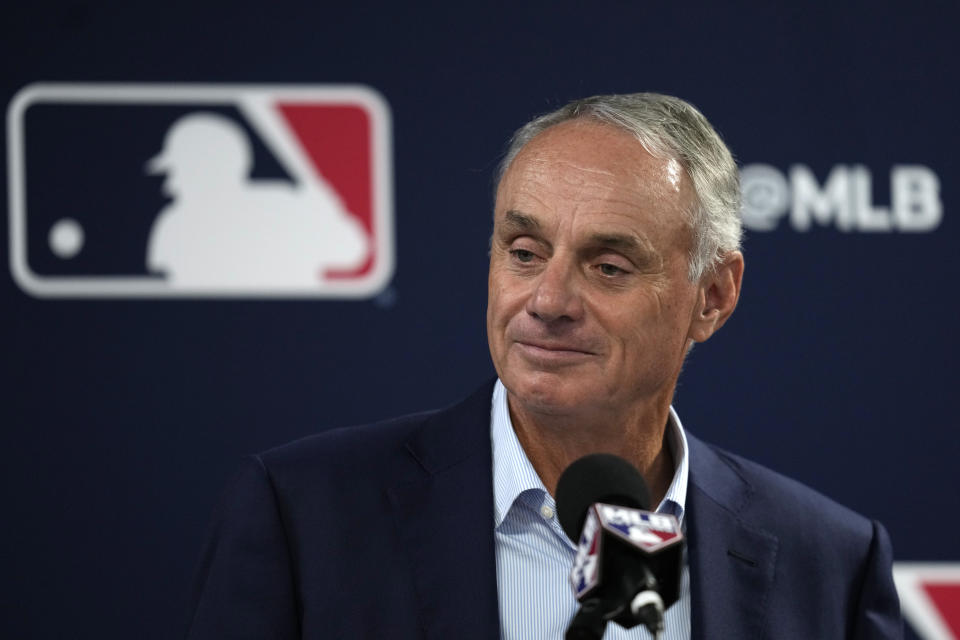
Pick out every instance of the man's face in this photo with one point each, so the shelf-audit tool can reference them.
(589, 309)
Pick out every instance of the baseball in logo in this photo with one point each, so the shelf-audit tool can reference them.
(200, 191)
(930, 596)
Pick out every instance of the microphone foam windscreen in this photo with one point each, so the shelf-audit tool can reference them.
(598, 477)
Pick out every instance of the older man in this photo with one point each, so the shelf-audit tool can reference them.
(615, 248)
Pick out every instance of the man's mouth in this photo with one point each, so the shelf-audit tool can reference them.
(553, 352)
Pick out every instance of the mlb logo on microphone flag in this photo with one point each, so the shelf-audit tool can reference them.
(645, 530)
(254, 191)
(585, 574)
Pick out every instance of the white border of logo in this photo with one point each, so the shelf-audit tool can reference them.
(917, 606)
(252, 100)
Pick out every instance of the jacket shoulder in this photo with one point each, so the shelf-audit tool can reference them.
(376, 455)
(774, 502)
(347, 444)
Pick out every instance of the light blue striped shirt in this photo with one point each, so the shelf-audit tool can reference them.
(534, 556)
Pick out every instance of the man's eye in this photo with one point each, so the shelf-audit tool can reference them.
(522, 255)
(610, 269)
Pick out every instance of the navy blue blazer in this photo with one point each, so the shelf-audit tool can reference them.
(386, 531)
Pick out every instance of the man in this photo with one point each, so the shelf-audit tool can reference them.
(615, 248)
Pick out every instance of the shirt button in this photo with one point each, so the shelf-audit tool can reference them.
(546, 512)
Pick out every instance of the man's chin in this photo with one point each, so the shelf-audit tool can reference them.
(547, 395)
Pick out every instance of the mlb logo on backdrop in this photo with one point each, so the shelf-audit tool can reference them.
(126, 190)
(930, 597)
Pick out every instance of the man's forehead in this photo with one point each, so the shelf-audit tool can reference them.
(589, 159)
(604, 184)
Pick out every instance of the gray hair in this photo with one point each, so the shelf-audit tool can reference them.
(667, 127)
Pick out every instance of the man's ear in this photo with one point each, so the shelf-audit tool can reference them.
(717, 296)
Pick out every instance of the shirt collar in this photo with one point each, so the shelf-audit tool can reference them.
(513, 474)
(675, 500)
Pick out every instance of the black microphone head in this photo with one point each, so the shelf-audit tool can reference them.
(598, 477)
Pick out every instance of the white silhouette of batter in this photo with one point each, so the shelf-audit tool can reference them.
(224, 230)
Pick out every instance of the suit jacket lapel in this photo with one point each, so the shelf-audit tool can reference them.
(445, 519)
(731, 563)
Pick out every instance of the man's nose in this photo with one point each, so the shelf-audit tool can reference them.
(556, 294)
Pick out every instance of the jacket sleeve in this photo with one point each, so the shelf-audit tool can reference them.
(878, 607)
(244, 587)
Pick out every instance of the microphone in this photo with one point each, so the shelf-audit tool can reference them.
(629, 560)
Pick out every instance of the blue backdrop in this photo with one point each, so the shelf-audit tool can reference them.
(123, 417)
